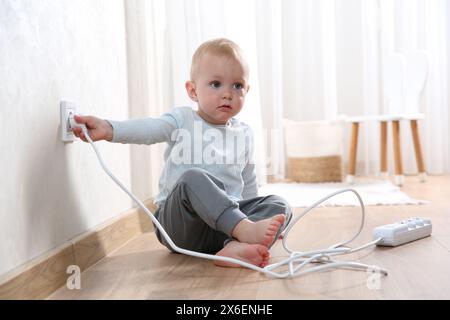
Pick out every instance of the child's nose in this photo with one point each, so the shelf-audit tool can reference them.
(226, 94)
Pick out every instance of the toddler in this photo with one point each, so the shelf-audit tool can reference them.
(208, 200)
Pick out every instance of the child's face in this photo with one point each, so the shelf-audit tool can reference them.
(219, 88)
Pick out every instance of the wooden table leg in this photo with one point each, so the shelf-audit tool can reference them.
(418, 151)
(397, 153)
(352, 155)
(383, 150)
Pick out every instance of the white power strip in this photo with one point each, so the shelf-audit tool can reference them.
(402, 232)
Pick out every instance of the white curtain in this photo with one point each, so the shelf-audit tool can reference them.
(309, 60)
(406, 26)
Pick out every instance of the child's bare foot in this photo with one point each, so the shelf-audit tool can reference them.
(255, 254)
(260, 232)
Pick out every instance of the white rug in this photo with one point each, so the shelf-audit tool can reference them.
(374, 192)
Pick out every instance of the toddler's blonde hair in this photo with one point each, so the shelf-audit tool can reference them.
(221, 47)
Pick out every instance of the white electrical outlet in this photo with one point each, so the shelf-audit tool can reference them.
(66, 109)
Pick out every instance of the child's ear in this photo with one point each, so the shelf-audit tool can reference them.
(191, 91)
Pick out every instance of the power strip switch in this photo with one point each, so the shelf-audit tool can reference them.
(398, 233)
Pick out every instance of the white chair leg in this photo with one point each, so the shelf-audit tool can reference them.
(399, 180)
(350, 179)
(423, 177)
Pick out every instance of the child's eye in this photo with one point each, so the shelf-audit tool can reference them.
(238, 86)
(215, 84)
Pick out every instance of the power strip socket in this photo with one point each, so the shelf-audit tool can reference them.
(398, 233)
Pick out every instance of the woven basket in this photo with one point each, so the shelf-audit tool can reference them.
(314, 151)
(315, 169)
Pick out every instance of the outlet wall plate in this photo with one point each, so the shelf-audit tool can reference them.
(65, 110)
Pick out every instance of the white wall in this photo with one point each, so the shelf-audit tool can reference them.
(52, 50)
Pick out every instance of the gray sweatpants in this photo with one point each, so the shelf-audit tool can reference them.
(199, 216)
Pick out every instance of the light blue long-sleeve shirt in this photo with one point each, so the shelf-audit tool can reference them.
(223, 150)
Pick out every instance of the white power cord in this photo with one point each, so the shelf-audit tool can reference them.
(297, 260)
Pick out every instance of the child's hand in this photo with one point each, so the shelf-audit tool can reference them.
(99, 129)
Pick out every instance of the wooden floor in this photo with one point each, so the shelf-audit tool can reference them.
(144, 269)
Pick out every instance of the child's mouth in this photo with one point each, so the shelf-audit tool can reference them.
(225, 107)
